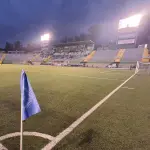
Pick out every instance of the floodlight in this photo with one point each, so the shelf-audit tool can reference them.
(132, 21)
(45, 37)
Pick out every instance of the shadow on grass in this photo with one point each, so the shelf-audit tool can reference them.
(82, 140)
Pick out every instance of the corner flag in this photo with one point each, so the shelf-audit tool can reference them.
(29, 102)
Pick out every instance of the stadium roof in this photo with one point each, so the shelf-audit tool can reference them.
(74, 43)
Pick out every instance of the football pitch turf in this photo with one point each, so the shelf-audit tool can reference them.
(65, 94)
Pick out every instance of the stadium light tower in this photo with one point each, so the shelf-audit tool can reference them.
(45, 38)
(128, 31)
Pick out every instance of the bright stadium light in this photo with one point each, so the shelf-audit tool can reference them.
(45, 37)
(132, 21)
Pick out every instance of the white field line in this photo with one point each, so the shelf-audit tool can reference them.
(116, 71)
(90, 77)
(68, 130)
(37, 134)
(105, 72)
(2, 147)
(123, 69)
(112, 71)
(125, 87)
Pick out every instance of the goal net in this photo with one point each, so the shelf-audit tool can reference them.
(142, 68)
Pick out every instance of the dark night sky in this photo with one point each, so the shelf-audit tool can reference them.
(25, 20)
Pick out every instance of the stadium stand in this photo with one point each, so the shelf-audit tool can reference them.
(124, 57)
(16, 58)
(77, 60)
(46, 59)
(89, 57)
(74, 52)
(132, 55)
(104, 56)
(20, 58)
(119, 55)
(78, 53)
(37, 58)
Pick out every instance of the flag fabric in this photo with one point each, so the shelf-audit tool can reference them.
(29, 102)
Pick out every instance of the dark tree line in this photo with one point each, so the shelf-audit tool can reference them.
(16, 46)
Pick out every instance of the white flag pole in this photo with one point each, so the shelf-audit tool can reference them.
(21, 129)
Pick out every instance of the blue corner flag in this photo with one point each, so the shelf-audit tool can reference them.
(30, 104)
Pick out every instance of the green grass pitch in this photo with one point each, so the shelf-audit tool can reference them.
(64, 94)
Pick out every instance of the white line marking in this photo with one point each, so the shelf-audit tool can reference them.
(90, 77)
(2, 147)
(125, 87)
(112, 71)
(10, 135)
(105, 71)
(115, 71)
(68, 130)
(122, 69)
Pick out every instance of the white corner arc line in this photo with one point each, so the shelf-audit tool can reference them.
(37, 134)
(2, 147)
(91, 77)
(68, 130)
